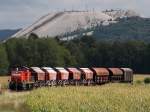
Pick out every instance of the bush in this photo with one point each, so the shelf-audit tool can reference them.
(147, 80)
(138, 82)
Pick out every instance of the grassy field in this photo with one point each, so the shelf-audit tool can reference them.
(4, 81)
(106, 98)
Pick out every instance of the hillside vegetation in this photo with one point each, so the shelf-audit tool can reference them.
(134, 28)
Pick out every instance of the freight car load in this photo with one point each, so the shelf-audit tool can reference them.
(24, 78)
(101, 75)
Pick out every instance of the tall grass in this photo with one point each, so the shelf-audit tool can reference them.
(13, 102)
(4, 81)
(107, 98)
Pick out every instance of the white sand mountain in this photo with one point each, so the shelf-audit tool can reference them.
(60, 23)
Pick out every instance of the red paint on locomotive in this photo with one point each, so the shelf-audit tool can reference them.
(21, 75)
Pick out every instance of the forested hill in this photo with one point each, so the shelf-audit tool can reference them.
(4, 34)
(127, 28)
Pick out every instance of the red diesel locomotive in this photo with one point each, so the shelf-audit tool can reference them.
(21, 78)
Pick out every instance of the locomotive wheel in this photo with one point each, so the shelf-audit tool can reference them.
(15, 86)
(12, 86)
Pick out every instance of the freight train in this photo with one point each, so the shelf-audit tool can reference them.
(24, 78)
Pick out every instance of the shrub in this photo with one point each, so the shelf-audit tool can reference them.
(147, 80)
(138, 82)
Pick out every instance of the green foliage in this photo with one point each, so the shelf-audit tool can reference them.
(147, 80)
(3, 60)
(139, 82)
(37, 52)
(134, 28)
(80, 52)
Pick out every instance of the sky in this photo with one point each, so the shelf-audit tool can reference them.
(16, 14)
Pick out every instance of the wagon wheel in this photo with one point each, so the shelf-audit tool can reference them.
(63, 83)
(88, 82)
(52, 83)
(76, 82)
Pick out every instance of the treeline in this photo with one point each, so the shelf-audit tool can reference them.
(82, 52)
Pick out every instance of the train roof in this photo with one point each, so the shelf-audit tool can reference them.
(86, 70)
(116, 71)
(74, 70)
(49, 69)
(37, 70)
(101, 71)
(127, 69)
(62, 70)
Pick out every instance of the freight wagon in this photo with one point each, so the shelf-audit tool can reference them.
(62, 76)
(87, 76)
(115, 74)
(38, 76)
(101, 75)
(128, 75)
(50, 76)
(74, 76)
(24, 78)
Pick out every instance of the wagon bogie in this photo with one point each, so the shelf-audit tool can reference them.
(102, 79)
(62, 82)
(51, 83)
(74, 82)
